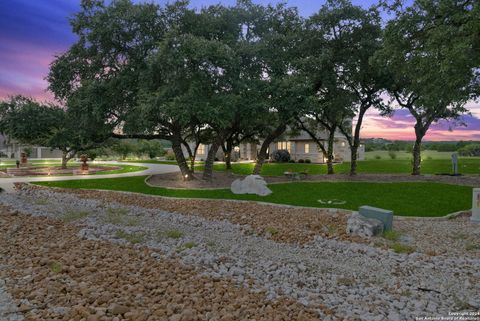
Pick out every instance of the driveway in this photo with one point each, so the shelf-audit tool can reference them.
(8, 183)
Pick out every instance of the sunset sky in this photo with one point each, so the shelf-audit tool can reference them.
(32, 32)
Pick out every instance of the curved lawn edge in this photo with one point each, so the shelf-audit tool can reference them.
(122, 170)
(407, 199)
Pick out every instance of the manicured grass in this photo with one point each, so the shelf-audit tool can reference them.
(123, 169)
(155, 161)
(427, 154)
(405, 199)
(467, 165)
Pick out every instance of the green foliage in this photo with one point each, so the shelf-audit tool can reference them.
(30, 122)
(402, 248)
(281, 156)
(133, 238)
(472, 247)
(470, 150)
(73, 215)
(273, 231)
(174, 234)
(185, 246)
(56, 267)
(392, 154)
(119, 216)
(392, 235)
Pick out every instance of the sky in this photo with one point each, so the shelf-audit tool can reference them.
(32, 32)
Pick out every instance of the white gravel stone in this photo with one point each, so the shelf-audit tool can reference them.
(351, 279)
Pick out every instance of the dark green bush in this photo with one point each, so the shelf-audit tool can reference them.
(281, 156)
(308, 161)
(301, 161)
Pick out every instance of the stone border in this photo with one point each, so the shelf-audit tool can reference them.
(329, 209)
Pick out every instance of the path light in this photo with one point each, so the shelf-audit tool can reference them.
(186, 175)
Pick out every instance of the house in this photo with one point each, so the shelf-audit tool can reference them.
(12, 149)
(300, 146)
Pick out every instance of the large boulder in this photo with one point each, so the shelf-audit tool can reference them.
(252, 184)
(363, 226)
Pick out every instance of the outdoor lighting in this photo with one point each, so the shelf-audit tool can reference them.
(186, 175)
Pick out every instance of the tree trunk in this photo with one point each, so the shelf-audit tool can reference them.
(65, 159)
(356, 142)
(262, 155)
(180, 158)
(228, 154)
(330, 157)
(212, 152)
(192, 163)
(417, 158)
(420, 131)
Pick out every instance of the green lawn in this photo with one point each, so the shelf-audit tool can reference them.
(155, 161)
(123, 168)
(470, 166)
(427, 154)
(405, 199)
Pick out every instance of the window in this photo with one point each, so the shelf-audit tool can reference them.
(201, 149)
(307, 148)
(283, 145)
(289, 147)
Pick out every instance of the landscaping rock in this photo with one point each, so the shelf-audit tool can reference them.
(252, 184)
(334, 276)
(362, 226)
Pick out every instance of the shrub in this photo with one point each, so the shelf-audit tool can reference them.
(402, 248)
(470, 150)
(392, 235)
(378, 157)
(308, 161)
(292, 161)
(392, 154)
(174, 234)
(281, 156)
(301, 161)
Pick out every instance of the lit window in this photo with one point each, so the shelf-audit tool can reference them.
(201, 149)
(289, 146)
(307, 148)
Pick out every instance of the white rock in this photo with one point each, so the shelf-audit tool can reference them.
(252, 184)
(362, 226)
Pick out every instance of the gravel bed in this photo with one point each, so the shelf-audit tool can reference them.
(8, 309)
(55, 275)
(432, 236)
(341, 280)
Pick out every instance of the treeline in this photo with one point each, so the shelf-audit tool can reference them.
(222, 75)
(123, 149)
(402, 145)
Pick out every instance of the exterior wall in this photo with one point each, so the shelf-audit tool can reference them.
(202, 152)
(11, 149)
